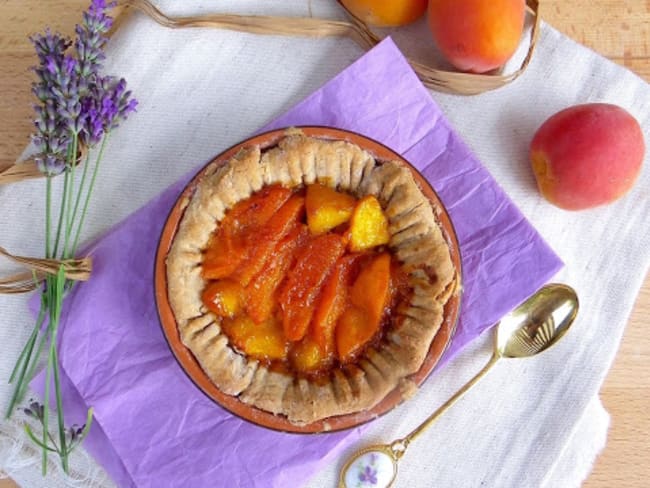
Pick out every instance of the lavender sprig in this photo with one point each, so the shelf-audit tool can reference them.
(74, 435)
(108, 104)
(76, 105)
(52, 137)
(91, 37)
(75, 100)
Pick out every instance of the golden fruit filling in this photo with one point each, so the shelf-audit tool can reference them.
(302, 278)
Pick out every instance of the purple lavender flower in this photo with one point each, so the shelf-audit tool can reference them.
(368, 475)
(57, 88)
(91, 37)
(108, 103)
(51, 135)
(35, 410)
(49, 44)
(75, 100)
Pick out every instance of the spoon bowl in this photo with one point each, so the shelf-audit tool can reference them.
(537, 323)
(529, 329)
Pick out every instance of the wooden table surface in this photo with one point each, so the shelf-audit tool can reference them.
(617, 29)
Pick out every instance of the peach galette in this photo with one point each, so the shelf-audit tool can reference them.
(309, 279)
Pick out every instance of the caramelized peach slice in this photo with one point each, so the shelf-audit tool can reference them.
(227, 248)
(222, 257)
(255, 211)
(368, 299)
(303, 284)
(332, 302)
(368, 226)
(261, 291)
(307, 356)
(225, 298)
(266, 240)
(261, 341)
(371, 288)
(327, 208)
(353, 331)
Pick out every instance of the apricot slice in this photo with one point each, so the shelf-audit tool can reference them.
(327, 208)
(227, 247)
(368, 298)
(370, 289)
(307, 356)
(255, 211)
(368, 225)
(222, 257)
(225, 298)
(261, 291)
(353, 331)
(332, 302)
(265, 241)
(298, 295)
(261, 341)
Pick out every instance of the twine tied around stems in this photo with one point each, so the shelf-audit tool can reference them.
(26, 281)
(38, 268)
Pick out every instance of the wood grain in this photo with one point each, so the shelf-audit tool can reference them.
(618, 29)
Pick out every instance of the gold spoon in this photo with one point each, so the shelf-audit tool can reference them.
(532, 327)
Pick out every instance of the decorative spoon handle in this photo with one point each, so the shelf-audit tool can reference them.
(399, 446)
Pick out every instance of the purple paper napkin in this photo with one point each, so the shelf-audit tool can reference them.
(153, 426)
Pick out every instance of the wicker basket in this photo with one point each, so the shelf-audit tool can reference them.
(454, 81)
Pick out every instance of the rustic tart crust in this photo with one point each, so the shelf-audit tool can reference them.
(416, 240)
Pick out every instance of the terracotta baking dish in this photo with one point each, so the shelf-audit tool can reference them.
(233, 404)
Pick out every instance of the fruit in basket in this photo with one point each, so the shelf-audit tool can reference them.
(391, 13)
(587, 155)
(477, 35)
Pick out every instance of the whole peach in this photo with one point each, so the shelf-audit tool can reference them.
(477, 35)
(587, 155)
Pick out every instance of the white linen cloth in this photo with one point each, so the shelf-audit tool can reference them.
(531, 423)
